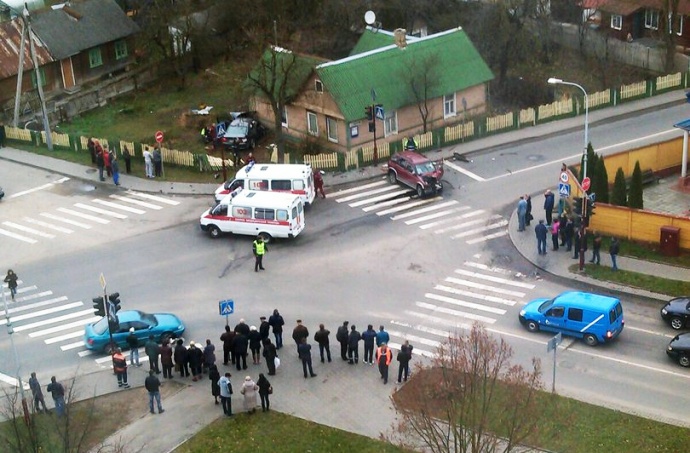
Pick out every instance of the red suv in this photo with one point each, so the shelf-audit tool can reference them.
(416, 171)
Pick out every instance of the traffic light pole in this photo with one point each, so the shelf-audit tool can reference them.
(107, 314)
(20, 384)
(583, 231)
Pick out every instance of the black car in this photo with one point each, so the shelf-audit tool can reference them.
(677, 312)
(242, 132)
(679, 349)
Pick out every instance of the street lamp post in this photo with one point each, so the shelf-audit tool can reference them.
(20, 384)
(583, 239)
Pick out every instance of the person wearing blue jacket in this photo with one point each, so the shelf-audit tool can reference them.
(382, 337)
(369, 337)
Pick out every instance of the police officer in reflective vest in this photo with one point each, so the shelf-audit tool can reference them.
(260, 249)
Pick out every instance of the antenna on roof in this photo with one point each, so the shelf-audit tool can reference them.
(370, 19)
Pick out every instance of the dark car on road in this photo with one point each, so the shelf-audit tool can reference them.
(677, 312)
(417, 172)
(242, 132)
(679, 349)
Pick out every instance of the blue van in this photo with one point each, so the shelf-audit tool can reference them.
(594, 318)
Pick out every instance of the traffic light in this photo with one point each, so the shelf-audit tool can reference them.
(372, 126)
(577, 206)
(98, 306)
(114, 298)
(369, 110)
(590, 206)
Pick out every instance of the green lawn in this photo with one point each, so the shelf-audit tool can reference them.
(635, 280)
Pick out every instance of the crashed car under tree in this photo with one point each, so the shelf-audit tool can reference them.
(242, 132)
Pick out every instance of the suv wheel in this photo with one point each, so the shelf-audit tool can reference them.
(392, 177)
(420, 191)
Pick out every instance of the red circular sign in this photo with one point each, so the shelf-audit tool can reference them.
(585, 184)
(159, 136)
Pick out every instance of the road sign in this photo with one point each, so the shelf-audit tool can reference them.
(379, 112)
(564, 190)
(586, 183)
(159, 136)
(102, 280)
(564, 176)
(226, 307)
(554, 342)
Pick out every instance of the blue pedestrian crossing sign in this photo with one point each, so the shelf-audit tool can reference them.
(564, 190)
(226, 307)
(379, 112)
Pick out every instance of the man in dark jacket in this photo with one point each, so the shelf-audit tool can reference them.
(153, 386)
(270, 355)
(304, 351)
(166, 354)
(255, 344)
(239, 348)
(196, 360)
(548, 206)
(133, 343)
(299, 333)
(181, 358)
(341, 336)
(242, 328)
(227, 339)
(264, 328)
(353, 345)
(276, 322)
(321, 337)
(152, 350)
(369, 337)
(404, 357)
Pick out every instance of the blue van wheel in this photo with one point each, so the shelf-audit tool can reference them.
(591, 340)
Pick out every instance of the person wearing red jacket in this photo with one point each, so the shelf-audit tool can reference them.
(120, 368)
(383, 358)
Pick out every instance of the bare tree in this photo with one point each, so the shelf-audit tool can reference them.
(421, 77)
(471, 399)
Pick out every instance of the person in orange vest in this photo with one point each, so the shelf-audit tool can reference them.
(383, 358)
(120, 368)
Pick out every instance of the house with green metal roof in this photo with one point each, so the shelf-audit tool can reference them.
(412, 85)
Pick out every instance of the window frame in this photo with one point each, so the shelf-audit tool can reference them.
(42, 72)
(616, 22)
(678, 20)
(312, 115)
(121, 50)
(390, 123)
(264, 213)
(332, 129)
(95, 58)
(318, 86)
(284, 116)
(449, 105)
(651, 19)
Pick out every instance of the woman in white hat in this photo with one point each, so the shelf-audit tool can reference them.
(249, 389)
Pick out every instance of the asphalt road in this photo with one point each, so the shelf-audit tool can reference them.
(422, 268)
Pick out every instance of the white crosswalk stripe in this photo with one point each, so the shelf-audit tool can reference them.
(50, 226)
(137, 202)
(458, 301)
(17, 236)
(100, 211)
(119, 206)
(29, 230)
(154, 198)
(47, 311)
(435, 213)
(65, 220)
(53, 320)
(84, 216)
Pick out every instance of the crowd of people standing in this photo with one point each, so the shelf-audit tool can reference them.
(107, 161)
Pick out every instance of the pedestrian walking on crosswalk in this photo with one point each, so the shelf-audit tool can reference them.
(11, 280)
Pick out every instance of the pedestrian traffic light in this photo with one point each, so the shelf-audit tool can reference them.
(590, 206)
(114, 298)
(369, 110)
(98, 306)
(372, 126)
(577, 206)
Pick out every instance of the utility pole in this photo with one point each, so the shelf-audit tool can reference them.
(20, 384)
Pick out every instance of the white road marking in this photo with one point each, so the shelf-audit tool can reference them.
(67, 221)
(58, 319)
(463, 171)
(36, 189)
(154, 198)
(39, 313)
(462, 225)
(443, 221)
(491, 278)
(407, 206)
(48, 225)
(137, 202)
(460, 292)
(459, 314)
(465, 304)
(650, 332)
(67, 347)
(12, 381)
(357, 189)
(430, 330)
(416, 350)
(475, 285)
(71, 325)
(487, 237)
(119, 206)
(433, 207)
(437, 320)
(366, 194)
(491, 226)
(28, 230)
(17, 236)
(30, 296)
(84, 216)
(484, 267)
(379, 198)
(100, 211)
(67, 336)
(142, 357)
(433, 216)
(415, 339)
(385, 204)
(86, 353)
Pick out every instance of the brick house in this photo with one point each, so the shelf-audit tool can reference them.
(449, 76)
(76, 43)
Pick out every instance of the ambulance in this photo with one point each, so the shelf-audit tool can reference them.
(266, 214)
(297, 179)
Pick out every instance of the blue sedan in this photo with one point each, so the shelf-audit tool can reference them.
(160, 325)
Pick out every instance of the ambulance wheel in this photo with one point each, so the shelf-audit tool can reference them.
(591, 340)
(214, 231)
(532, 326)
(266, 237)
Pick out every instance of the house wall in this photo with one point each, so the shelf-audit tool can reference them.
(8, 87)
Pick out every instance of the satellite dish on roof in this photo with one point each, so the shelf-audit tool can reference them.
(370, 17)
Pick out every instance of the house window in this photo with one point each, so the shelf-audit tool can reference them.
(95, 58)
(318, 86)
(120, 50)
(312, 125)
(675, 24)
(283, 116)
(42, 74)
(651, 19)
(332, 129)
(390, 123)
(616, 21)
(449, 105)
